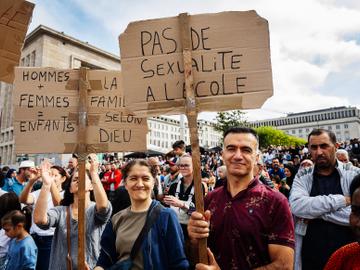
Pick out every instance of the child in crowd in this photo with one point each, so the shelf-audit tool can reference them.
(22, 253)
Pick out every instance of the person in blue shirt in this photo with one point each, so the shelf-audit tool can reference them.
(26, 171)
(276, 173)
(22, 253)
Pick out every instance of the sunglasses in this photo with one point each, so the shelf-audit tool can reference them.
(184, 165)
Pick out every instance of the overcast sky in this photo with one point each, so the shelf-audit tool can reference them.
(315, 44)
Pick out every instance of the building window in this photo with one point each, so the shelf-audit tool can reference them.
(307, 130)
(337, 126)
(329, 127)
(346, 126)
(300, 130)
(27, 60)
(293, 131)
(32, 59)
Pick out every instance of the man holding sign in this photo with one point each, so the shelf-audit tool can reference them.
(248, 224)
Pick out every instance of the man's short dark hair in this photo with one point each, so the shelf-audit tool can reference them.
(241, 130)
(319, 131)
(355, 184)
(179, 144)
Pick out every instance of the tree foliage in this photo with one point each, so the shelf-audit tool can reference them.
(225, 120)
(267, 135)
(272, 136)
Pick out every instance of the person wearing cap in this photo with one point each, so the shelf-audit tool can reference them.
(171, 178)
(26, 172)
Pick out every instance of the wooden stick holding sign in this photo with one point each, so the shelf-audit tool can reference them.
(191, 114)
(82, 153)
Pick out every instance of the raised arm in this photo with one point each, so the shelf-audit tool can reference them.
(55, 194)
(25, 196)
(101, 199)
(40, 211)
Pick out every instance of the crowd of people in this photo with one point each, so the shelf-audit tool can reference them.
(279, 208)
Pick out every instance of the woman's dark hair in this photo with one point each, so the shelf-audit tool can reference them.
(15, 217)
(293, 171)
(63, 173)
(141, 162)
(355, 184)
(8, 202)
(68, 196)
(9, 173)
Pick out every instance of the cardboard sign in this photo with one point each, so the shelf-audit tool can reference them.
(230, 63)
(15, 17)
(46, 112)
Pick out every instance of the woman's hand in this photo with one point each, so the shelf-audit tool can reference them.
(94, 164)
(46, 175)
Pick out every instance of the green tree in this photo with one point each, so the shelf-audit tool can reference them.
(227, 119)
(272, 136)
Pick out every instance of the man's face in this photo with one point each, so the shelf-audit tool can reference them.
(275, 163)
(72, 163)
(25, 172)
(108, 167)
(239, 154)
(173, 168)
(355, 214)
(322, 151)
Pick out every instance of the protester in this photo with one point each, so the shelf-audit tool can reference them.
(342, 155)
(26, 172)
(161, 247)
(260, 172)
(22, 252)
(171, 178)
(276, 173)
(221, 176)
(72, 164)
(320, 202)
(43, 238)
(178, 149)
(306, 163)
(181, 195)
(348, 257)
(154, 162)
(250, 224)
(8, 202)
(286, 183)
(97, 215)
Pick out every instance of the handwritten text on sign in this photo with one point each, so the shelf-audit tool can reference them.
(46, 106)
(230, 61)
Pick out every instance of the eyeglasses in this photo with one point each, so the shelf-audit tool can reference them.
(184, 165)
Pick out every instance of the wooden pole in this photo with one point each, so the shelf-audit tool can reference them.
(82, 152)
(191, 113)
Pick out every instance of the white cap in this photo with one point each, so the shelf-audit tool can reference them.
(27, 164)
